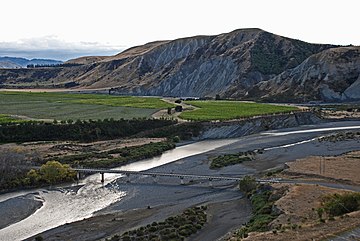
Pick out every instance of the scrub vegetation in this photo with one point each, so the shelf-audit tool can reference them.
(15, 164)
(174, 228)
(339, 204)
(262, 198)
(231, 159)
(51, 172)
(117, 157)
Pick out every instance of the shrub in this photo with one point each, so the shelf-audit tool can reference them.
(262, 216)
(51, 172)
(337, 205)
(39, 238)
(229, 159)
(192, 220)
(247, 184)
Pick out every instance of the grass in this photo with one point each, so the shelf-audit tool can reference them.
(125, 101)
(8, 119)
(227, 110)
(64, 106)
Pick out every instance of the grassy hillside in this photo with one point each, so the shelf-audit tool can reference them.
(227, 110)
(62, 106)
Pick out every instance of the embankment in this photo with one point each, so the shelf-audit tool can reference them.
(233, 129)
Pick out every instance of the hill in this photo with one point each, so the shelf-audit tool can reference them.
(332, 75)
(8, 65)
(14, 62)
(243, 64)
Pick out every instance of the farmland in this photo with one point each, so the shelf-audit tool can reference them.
(63, 106)
(226, 110)
(8, 119)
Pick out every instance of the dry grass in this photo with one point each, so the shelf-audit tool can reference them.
(342, 168)
(340, 114)
(300, 221)
(299, 203)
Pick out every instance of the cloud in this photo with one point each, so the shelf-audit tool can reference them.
(55, 48)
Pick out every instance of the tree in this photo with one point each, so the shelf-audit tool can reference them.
(53, 172)
(217, 97)
(247, 184)
(33, 176)
(178, 108)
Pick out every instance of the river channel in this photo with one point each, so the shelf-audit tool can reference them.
(63, 205)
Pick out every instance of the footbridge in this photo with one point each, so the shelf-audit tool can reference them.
(181, 176)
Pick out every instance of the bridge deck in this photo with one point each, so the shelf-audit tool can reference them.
(162, 174)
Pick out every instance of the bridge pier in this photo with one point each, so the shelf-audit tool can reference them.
(102, 177)
(78, 176)
(127, 177)
(155, 179)
(182, 180)
(210, 182)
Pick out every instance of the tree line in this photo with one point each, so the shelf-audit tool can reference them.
(32, 66)
(85, 131)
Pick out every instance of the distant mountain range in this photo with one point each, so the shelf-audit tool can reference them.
(14, 63)
(246, 64)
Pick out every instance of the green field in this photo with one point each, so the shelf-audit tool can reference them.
(63, 106)
(227, 110)
(9, 119)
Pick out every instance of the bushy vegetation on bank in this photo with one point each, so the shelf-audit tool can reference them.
(77, 131)
(117, 157)
(342, 136)
(174, 228)
(339, 204)
(231, 159)
(14, 171)
(262, 199)
(52, 172)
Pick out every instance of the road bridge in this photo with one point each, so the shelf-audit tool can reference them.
(181, 176)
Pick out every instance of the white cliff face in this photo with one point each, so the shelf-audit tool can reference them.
(207, 65)
(332, 75)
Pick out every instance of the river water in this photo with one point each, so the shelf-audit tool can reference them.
(64, 205)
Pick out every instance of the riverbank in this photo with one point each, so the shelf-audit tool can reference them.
(25, 206)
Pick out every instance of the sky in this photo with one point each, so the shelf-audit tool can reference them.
(65, 29)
